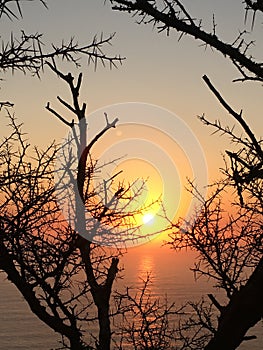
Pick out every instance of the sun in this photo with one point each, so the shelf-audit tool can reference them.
(148, 218)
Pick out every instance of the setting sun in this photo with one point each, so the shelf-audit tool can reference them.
(148, 218)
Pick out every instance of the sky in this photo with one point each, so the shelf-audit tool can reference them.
(159, 73)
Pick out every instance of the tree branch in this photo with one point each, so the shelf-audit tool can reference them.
(237, 116)
(59, 116)
(184, 25)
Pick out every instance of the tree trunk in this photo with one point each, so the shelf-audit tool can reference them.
(100, 292)
(105, 331)
(76, 344)
(244, 310)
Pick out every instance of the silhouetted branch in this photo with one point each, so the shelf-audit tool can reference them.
(173, 15)
(6, 104)
(237, 116)
(27, 54)
(215, 302)
(146, 321)
(253, 6)
(59, 116)
(7, 7)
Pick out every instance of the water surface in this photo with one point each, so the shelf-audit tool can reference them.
(171, 277)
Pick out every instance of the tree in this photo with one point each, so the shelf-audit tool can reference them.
(230, 249)
(59, 269)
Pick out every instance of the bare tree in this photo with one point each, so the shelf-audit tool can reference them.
(36, 246)
(105, 209)
(41, 253)
(229, 246)
(232, 252)
(59, 269)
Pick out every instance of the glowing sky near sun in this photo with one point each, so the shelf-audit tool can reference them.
(157, 70)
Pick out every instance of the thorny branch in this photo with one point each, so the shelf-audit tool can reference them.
(170, 14)
(27, 54)
(7, 8)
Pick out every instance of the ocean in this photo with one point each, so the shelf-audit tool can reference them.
(170, 275)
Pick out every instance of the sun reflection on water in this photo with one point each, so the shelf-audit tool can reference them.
(147, 268)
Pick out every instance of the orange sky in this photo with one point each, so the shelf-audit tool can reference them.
(158, 71)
